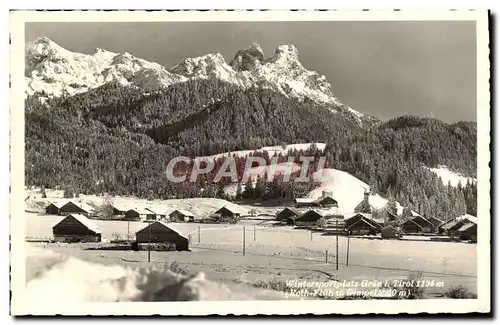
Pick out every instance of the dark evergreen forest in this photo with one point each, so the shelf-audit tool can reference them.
(119, 140)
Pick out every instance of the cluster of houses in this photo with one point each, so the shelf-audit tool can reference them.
(79, 228)
(148, 214)
(323, 214)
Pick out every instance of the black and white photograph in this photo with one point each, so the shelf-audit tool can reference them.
(289, 162)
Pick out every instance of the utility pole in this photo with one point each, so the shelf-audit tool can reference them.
(347, 258)
(311, 233)
(254, 233)
(243, 240)
(337, 244)
(149, 245)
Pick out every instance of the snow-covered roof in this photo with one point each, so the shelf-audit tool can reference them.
(466, 226)
(84, 206)
(167, 225)
(305, 200)
(140, 210)
(184, 212)
(58, 204)
(154, 210)
(469, 217)
(121, 206)
(415, 213)
(351, 215)
(85, 221)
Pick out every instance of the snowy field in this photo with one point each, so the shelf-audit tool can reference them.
(217, 251)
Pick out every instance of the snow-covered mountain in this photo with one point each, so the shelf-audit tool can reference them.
(54, 71)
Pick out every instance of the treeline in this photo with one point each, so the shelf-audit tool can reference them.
(118, 140)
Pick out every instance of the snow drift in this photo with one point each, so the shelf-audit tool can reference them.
(52, 277)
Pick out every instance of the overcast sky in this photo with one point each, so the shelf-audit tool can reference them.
(385, 69)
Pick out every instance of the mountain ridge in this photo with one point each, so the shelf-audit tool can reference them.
(52, 70)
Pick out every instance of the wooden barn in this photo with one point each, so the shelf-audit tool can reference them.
(137, 214)
(160, 232)
(154, 214)
(287, 215)
(468, 232)
(389, 232)
(228, 213)
(308, 218)
(181, 216)
(451, 227)
(119, 209)
(76, 208)
(326, 201)
(435, 223)
(53, 208)
(362, 224)
(305, 202)
(76, 228)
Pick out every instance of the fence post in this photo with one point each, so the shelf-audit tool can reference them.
(199, 234)
(326, 257)
(254, 233)
(243, 240)
(337, 244)
(347, 257)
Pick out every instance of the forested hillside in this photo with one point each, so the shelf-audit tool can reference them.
(119, 140)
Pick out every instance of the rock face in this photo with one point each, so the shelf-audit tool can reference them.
(55, 71)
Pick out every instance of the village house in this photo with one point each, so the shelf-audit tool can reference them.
(417, 224)
(468, 232)
(53, 208)
(287, 215)
(325, 201)
(389, 232)
(76, 208)
(181, 216)
(137, 214)
(451, 227)
(309, 218)
(76, 228)
(362, 224)
(435, 223)
(119, 209)
(154, 214)
(226, 214)
(160, 232)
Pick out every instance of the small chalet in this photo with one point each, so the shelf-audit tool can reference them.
(451, 227)
(154, 214)
(468, 232)
(287, 215)
(308, 218)
(160, 232)
(76, 228)
(119, 209)
(181, 216)
(137, 214)
(325, 201)
(362, 224)
(435, 223)
(227, 214)
(76, 208)
(305, 202)
(53, 208)
(389, 232)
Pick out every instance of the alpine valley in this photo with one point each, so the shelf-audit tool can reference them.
(110, 122)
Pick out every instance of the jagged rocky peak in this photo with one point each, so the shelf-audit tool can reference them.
(287, 51)
(201, 65)
(248, 59)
